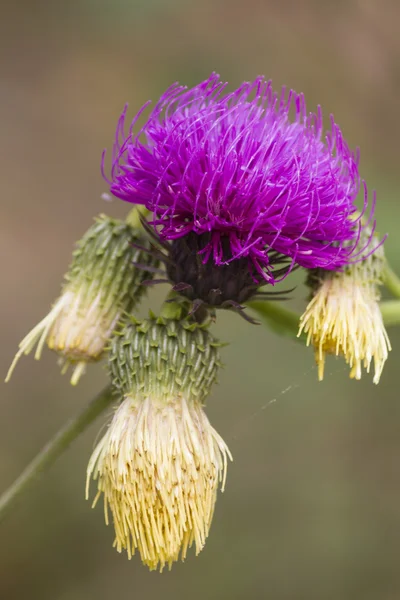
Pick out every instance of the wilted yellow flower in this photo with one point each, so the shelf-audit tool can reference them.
(160, 463)
(159, 466)
(102, 283)
(344, 317)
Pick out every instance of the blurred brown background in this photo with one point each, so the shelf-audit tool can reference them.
(312, 506)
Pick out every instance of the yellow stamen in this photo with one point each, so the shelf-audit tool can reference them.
(75, 328)
(159, 467)
(344, 318)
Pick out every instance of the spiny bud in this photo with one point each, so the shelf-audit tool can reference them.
(344, 318)
(161, 462)
(102, 283)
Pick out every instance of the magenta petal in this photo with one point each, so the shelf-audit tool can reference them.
(251, 166)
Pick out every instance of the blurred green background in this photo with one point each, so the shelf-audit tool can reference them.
(312, 506)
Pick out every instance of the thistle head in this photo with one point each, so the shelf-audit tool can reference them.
(160, 463)
(243, 181)
(344, 318)
(101, 285)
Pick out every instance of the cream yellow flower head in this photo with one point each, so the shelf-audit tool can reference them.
(101, 285)
(344, 318)
(160, 463)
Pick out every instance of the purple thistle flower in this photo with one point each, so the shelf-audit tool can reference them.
(250, 173)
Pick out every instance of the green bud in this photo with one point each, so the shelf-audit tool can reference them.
(164, 357)
(102, 284)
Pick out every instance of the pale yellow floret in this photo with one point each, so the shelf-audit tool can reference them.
(74, 328)
(159, 467)
(344, 318)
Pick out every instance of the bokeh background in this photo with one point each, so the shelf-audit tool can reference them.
(312, 506)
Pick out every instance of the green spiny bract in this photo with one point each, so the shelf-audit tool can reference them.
(168, 356)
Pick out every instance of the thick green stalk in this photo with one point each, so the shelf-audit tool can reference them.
(286, 322)
(171, 307)
(391, 312)
(391, 281)
(280, 319)
(54, 448)
(135, 214)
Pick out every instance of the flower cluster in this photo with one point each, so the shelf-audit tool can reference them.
(242, 187)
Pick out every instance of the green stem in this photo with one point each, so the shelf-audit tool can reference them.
(54, 448)
(286, 322)
(391, 312)
(391, 281)
(171, 307)
(278, 318)
(133, 217)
